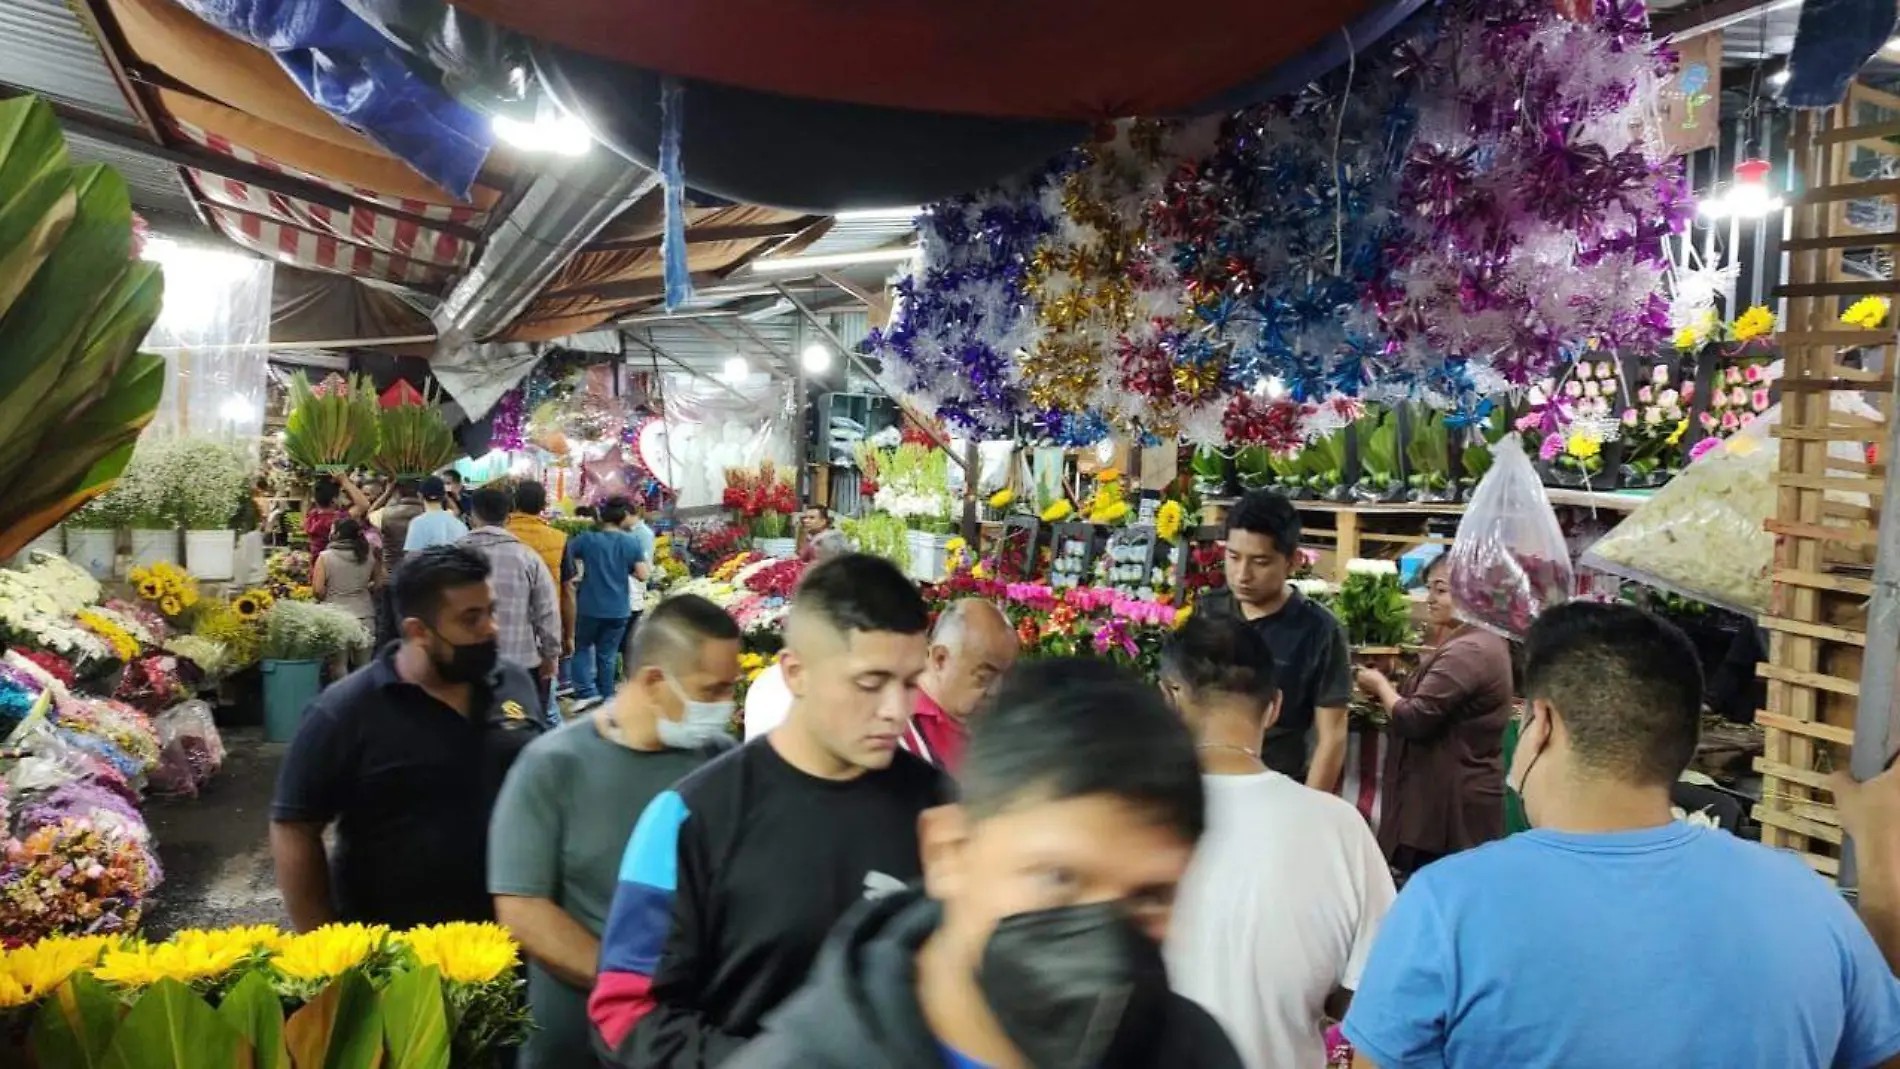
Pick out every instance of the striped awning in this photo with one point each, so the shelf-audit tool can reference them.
(400, 236)
(321, 251)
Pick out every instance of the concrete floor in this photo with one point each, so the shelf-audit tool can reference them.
(216, 848)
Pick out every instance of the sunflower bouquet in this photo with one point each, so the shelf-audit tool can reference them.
(332, 426)
(342, 995)
(167, 587)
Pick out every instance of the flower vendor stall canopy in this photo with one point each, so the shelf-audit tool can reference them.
(214, 332)
(710, 427)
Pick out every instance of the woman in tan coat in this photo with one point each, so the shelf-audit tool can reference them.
(1444, 767)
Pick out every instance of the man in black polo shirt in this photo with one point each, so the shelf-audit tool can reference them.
(1309, 647)
(406, 756)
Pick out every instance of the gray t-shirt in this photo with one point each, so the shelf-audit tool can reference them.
(560, 827)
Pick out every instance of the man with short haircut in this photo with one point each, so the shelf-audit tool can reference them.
(1612, 936)
(1308, 742)
(570, 804)
(1049, 889)
(406, 757)
(733, 879)
(971, 648)
(822, 540)
(606, 560)
(1278, 912)
(437, 526)
(527, 609)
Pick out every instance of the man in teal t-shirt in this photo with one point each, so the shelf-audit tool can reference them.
(570, 803)
(606, 559)
(1612, 936)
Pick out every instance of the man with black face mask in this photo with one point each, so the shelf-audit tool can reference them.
(1035, 943)
(406, 756)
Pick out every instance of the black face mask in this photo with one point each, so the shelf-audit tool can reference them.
(1075, 987)
(471, 663)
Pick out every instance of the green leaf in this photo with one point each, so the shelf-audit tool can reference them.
(252, 1010)
(73, 1028)
(31, 144)
(31, 225)
(342, 1028)
(169, 1027)
(415, 1022)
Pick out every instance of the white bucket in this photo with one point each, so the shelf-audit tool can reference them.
(782, 548)
(929, 556)
(50, 542)
(211, 555)
(94, 550)
(151, 547)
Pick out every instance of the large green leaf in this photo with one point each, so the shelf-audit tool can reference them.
(169, 1027)
(31, 144)
(73, 1028)
(415, 1022)
(42, 330)
(252, 1010)
(342, 1028)
(31, 224)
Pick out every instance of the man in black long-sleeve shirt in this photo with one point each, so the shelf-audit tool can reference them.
(733, 879)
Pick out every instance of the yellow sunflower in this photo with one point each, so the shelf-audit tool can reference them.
(1868, 312)
(170, 606)
(464, 953)
(148, 589)
(328, 951)
(32, 972)
(1168, 520)
(247, 607)
(184, 960)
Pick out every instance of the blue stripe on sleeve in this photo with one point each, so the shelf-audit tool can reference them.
(652, 856)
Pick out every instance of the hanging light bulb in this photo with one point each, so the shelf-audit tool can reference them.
(1748, 197)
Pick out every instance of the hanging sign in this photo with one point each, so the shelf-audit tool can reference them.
(1690, 100)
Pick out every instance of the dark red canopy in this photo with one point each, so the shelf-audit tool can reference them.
(1033, 59)
(401, 393)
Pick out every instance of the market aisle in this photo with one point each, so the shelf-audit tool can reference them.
(216, 848)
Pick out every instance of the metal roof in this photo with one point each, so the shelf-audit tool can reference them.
(859, 235)
(45, 47)
(155, 184)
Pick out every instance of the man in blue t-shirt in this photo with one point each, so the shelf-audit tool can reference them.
(604, 559)
(1613, 936)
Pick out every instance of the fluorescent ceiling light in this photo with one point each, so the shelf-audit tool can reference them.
(880, 215)
(1779, 78)
(836, 259)
(771, 311)
(816, 358)
(737, 370)
(560, 135)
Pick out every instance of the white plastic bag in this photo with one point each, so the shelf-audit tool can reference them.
(1509, 562)
(1704, 535)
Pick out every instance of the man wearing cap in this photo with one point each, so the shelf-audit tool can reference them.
(436, 526)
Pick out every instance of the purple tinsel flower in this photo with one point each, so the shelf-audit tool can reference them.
(510, 420)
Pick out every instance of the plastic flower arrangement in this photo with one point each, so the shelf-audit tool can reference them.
(1868, 312)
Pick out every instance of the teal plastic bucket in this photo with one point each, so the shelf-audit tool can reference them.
(289, 687)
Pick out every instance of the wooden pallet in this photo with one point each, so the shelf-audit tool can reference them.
(1827, 505)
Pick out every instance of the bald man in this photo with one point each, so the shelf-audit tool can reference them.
(971, 648)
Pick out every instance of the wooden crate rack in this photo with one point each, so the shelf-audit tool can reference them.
(1828, 490)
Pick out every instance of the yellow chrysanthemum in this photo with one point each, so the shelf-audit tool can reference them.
(1675, 436)
(1582, 446)
(143, 964)
(1688, 338)
(1002, 499)
(1754, 323)
(1868, 312)
(32, 972)
(955, 545)
(1061, 510)
(464, 953)
(751, 661)
(1168, 520)
(979, 572)
(328, 951)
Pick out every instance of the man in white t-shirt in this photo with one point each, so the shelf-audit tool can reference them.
(1276, 917)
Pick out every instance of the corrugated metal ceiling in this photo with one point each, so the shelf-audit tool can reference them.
(155, 184)
(44, 47)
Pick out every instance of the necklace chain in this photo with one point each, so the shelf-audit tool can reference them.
(1253, 753)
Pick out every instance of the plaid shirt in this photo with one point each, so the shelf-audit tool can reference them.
(527, 612)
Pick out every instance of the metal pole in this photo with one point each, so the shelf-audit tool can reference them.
(1874, 714)
(688, 368)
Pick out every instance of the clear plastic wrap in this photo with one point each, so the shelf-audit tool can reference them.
(1509, 562)
(1704, 535)
(190, 750)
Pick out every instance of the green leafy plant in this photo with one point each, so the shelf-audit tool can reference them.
(880, 534)
(414, 441)
(211, 479)
(1477, 456)
(1429, 451)
(1254, 466)
(306, 631)
(1378, 434)
(332, 426)
(1210, 470)
(1324, 461)
(74, 307)
(1372, 606)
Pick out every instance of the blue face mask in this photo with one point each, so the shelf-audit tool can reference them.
(701, 724)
